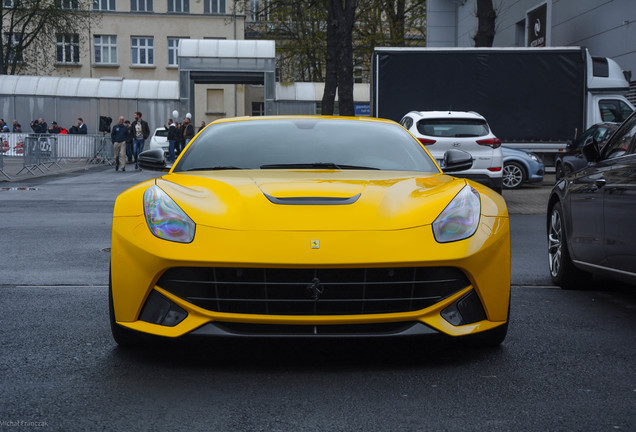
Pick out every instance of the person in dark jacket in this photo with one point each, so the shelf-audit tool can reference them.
(173, 136)
(141, 131)
(39, 126)
(187, 132)
(55, 129)
(118, 135)
(129, 142)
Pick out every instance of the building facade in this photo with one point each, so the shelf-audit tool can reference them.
(138, 40)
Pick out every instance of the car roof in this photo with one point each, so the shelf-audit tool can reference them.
(447, 114)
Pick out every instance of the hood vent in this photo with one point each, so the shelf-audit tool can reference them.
(313, 200)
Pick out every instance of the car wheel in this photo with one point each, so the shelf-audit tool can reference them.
(562, 270)
(124, 337)
(513, 175)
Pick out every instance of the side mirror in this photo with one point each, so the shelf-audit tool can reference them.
(153, 160)
(457, 160)
(590, 150)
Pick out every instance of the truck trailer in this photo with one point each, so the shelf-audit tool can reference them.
(535, 99)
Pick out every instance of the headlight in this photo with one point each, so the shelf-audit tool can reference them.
(460, 218)
(165, 218)
(534, 157)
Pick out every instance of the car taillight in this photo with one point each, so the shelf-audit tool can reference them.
(492, 142)
(494, 169)
(426, 141)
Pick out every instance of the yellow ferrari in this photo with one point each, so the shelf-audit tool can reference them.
(309, 227)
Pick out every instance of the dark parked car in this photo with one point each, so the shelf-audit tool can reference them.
(573, 160)
(520, 167)
(590, 222)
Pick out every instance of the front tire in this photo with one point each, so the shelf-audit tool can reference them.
(514, 175)
(562, 270)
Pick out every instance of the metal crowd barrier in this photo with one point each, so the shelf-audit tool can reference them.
(2, 160)
(44, 151)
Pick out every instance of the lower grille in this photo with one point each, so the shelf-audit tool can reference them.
(284, 291)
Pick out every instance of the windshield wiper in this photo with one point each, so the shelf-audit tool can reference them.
(215, 168)
(320, 165)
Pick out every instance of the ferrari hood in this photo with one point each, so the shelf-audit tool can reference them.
(311, 200)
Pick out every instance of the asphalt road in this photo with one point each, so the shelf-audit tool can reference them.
(566, 365)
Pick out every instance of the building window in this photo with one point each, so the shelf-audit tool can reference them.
(143, 51)
(173, 51)
(67, 48)
(12, 43)
(214, 6)
(258, 109)
(215, 101)
(104, 5)
(106, 49)
(141, 5)
(259, 10)
(182, 6)
(67, 4)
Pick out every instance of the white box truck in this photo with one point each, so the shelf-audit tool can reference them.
(535, 99)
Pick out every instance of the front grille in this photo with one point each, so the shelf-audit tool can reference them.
(323, 291)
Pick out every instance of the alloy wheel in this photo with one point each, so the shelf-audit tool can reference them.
(555, 241)
(512, 176)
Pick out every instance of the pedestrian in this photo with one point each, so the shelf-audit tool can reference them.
(141, 131)
(55, 129)
(118, 135)
(17, 127)
(202, 126)
(3, 126)
(173, 136)
(129, 141)
(188, 132)
(39, 126)
(81, 126)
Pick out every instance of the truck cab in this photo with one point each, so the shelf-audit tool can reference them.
(607, 84)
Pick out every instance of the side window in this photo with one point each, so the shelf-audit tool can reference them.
(580, 141)
(622, 140)
(626, 110)
(407, 122)
(614, 110)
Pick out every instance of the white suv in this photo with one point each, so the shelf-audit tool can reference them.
(443, 130)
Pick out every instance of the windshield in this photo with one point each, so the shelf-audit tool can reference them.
(305, 144)
(161, 133)
(455, 128)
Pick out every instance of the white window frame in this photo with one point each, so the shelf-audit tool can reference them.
(68, 45)
(173, 50)
(105, 5)
(105, 44)
(179, 6)
(141, 5)
(215, 7)
(143, 47)
(13, 39)
(259, 10)
(68, 4)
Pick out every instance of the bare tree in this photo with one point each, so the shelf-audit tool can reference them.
(340, 55)
(29, 25)
(486, 16)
